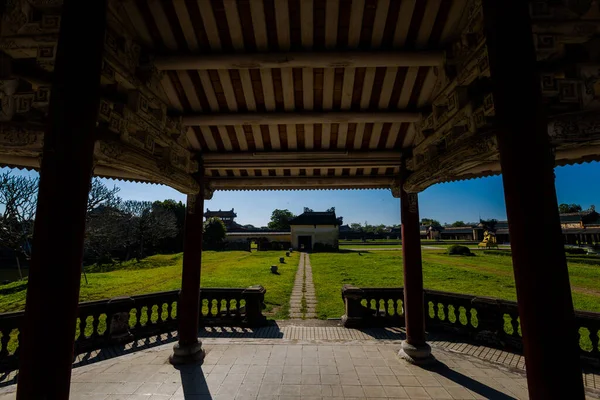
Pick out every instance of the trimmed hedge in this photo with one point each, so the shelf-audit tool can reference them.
(459, 250)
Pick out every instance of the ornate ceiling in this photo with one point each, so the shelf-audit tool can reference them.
(298, 94)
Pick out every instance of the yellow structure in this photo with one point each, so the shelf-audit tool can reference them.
(489, 240)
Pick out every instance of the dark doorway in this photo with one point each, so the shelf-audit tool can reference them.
(305, 243)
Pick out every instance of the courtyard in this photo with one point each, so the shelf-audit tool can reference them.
(299, 360)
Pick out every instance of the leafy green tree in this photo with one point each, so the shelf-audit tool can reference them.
(457, 224)
(489, 224)
(332, 209)
(306, 209)
(280, 220)
(429, 221)
(569, 208)
(214, 233)
(356, 227)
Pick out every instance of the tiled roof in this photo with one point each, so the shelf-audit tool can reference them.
(315, 218)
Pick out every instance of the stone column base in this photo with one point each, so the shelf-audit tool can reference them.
(186, 354)
(419, 355)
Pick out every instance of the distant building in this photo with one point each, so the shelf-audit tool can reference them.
(228, 218)
(577, 228)
(311, 230)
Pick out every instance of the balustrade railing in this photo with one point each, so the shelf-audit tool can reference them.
(124, 319)
(489, 320)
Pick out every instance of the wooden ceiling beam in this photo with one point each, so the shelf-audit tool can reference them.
(301, 183)
(298, 117)
(301, 60)
(305, 159)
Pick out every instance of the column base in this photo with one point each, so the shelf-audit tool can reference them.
(420, 355)
(187, 354)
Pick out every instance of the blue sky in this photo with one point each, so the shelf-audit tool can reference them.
(448, 202)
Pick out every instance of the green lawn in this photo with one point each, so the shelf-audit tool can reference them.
(482, 275)
(163, 272)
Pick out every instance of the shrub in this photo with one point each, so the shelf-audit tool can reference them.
(459, 250)
(575, 250)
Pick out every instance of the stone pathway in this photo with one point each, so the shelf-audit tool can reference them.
(303, 302)
(280, 369)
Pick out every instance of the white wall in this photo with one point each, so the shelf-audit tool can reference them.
(326, 234)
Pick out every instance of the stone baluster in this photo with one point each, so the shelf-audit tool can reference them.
(148, 314)
(138, 316)
(4, 342)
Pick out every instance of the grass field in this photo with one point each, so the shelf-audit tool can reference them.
(163, 272)
(482, 275)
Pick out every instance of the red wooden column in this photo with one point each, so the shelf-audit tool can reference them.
(189, 348)
(414, 348)
(48, 330)
(542, 281)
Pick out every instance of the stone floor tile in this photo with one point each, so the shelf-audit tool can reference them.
(249, 389)
(221, 369)
(239, 369)
(272, 378)
(400, 370)
(416, 393)
(352, 391)
(311, 390)
(427, 381)
(438, 392)
(148, 388)
(290, 390)
(292, 369)
(395, 391)
(330, 379)
(328, 370)
(310, 379)
(350, 378)
(310, 361)
(330, 360)
(257, 369)
(374, 391)
(252, 378)
(382, 370)
(269, 389)
(459, 392)
(293, 361)
(292, 379)
(388, 380)
(408, 381)
(364, 370)
(369, 380)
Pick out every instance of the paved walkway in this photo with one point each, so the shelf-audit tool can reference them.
(286, 369)
(299, 359)
(303, 302)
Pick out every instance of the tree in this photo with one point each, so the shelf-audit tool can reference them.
(489, 224)
(280, 220)
(175, 243)
(100, 194)
(214, 233)
(430, 222)
(569, 208)
(18, 198)
(458, 224)
(148, 224)
(332, 209)
(306, 209)
(356, 227)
